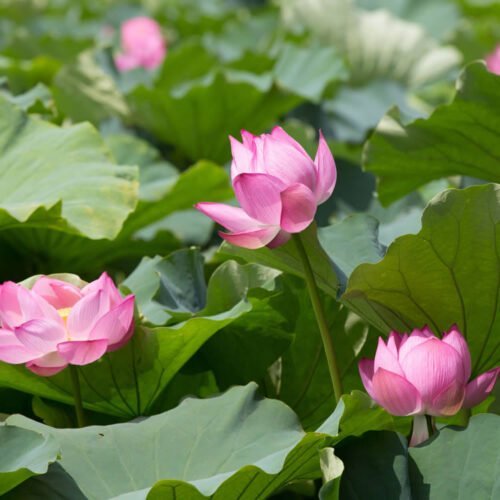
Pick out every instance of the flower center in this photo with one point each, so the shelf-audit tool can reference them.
(64, 313)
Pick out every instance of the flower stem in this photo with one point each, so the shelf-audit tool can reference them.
(320, 317)
(75, 381)
(431, 426)
(420, 430)
(423, 428)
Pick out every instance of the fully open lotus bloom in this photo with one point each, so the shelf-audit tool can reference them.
(493, 61)
(420, 374)
(278, 187)
(142, 43)
(55, 323)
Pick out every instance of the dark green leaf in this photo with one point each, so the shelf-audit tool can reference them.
(55, 484)
(197, 117)
(375, 466)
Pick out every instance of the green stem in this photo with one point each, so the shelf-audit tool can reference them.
(431, 426)
(75, 381)
(320, 318)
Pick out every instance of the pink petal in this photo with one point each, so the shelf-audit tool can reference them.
(155, 56)
(232, 218)
(45, 310)
(326, 171)
(416, 338)
(84, 315)
(106, 284)
(252, 239)
(394, 342)
(82, 352)
(285, 162)
(18, 305)
(138, 31)
(395, 394)
(12, 350)
(493, 61)
(448, 401)
(126, 62)
(57, 293)
(455, 339)
(10, 310)
(40, 335)
(28, 304)
(478, 389)
(365, 367)
(386, 359)
(431, 367)
(242, 156)
(143, 44)
(298, 208)
(115, 325)
(259, 196)
(248, 138)
(280, 239)
(47, 365)
(279, 134)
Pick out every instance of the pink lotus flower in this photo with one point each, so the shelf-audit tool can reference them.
(278, 187)
(493, 61)
(143, 45)
(56, 323)
(421, 374)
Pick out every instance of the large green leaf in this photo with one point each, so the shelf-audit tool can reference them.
(460, 138)
(60, 178)
(197, 117)
(446, 274)
(459, 463)
(24, 454)
(236, 445)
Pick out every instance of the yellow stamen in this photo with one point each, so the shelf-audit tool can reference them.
(64, 313)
